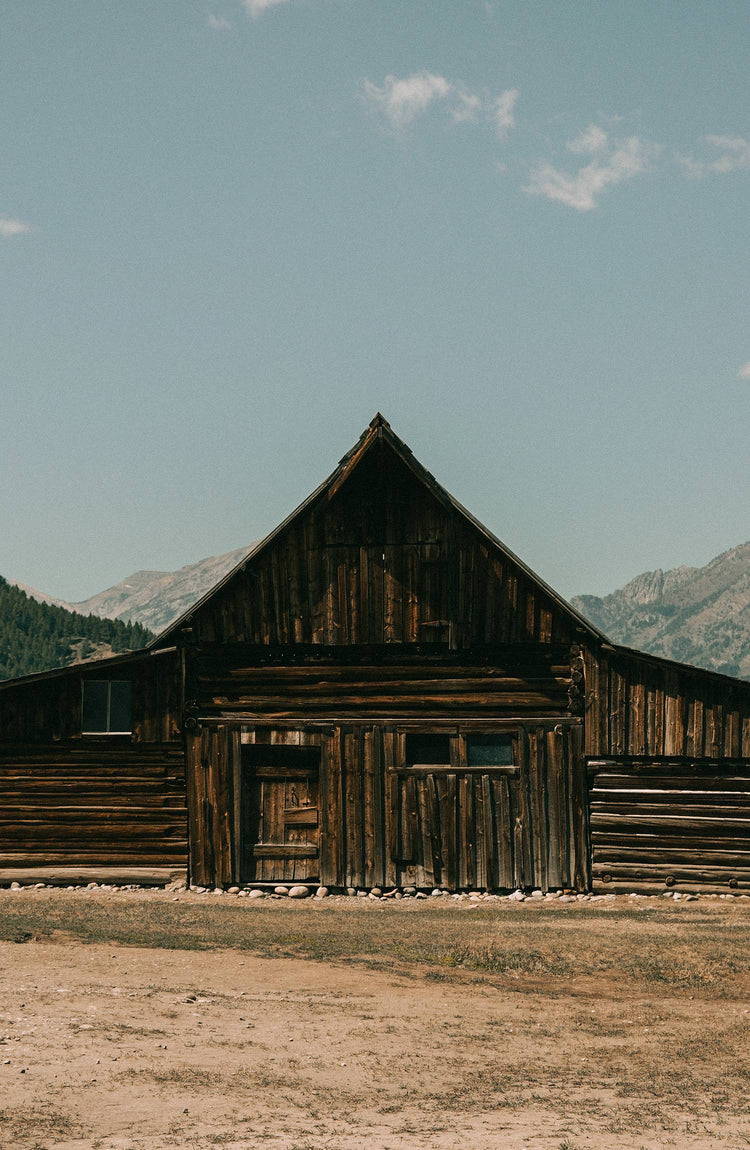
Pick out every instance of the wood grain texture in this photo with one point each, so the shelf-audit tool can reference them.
(668, 820)
(118, 805)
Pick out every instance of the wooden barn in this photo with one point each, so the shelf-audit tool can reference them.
(381, 694)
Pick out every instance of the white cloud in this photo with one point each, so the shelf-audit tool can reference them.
(501, 112)
(466, 108)
(13, 227)
(736, 153)
(593, 139)
(401, 101)
(692, 168)
(218, 23)
(257, 7)
(615, 162)
(734, 157)
(744, 372)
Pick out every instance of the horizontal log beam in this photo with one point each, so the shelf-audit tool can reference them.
(609, 820)
(725, 859)
(643, 886)
(62, 875)
(650, 871)
(284, 851)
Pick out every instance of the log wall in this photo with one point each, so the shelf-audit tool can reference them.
(671, 823)
(242, 681)
(89, 805)
(81, 807)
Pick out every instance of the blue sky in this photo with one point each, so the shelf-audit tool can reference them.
(231, 232)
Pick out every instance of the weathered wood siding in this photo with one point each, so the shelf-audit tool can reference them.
(47, 708)
(383, 823)
(639, 705)
(237, 682)
(381, 559)
(92, 805)
(671, 823)
(102, 803)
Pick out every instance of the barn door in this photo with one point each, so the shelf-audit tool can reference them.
(279, 817)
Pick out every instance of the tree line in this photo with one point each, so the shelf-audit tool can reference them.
(39, 636)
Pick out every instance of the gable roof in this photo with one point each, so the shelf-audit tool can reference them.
(380, 431)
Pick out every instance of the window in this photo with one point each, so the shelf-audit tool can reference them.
(428, 750)
(107, 707)
(489, 750)
(461, 750)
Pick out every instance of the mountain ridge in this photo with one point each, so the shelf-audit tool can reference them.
(153, 598)
(698, 615)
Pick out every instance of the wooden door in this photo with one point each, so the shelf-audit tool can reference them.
(455, 829)
(280, 820)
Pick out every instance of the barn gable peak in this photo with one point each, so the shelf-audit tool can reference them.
(379, 459)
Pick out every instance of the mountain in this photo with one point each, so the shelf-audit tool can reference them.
(698, 615)
(154, 598)
(37, 636)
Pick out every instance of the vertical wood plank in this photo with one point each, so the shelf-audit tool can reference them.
(393, 850)
(354, 767)
(368, 808)
(504, 833)
(524, 852)
(378, 808)
(376, 591)
(235, 749)
(197, 831)
(409, 819)
(489, 835)
(536, 779)
(467, 872)
(446, 788)
(616, 711)
(580, 807)
(393, 595)
(332, 812)
(556, 746)
(480, 826)
(426, 828)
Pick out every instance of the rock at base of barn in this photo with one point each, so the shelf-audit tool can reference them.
(299, 892)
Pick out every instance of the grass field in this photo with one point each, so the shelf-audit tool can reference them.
(138, 1020)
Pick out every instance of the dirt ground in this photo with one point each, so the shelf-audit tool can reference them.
(139, 1048)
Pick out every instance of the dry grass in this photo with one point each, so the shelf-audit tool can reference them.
(689, 946)
(563, 1027)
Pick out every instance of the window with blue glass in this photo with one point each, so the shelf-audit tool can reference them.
(490, 750)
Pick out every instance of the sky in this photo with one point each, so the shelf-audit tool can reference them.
(231, 232)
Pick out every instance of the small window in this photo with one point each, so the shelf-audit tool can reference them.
(428, 750)
(489, 750)
(107, 707)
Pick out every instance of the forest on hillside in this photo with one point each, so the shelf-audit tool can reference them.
(37, 636)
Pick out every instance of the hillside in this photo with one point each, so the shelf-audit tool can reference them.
(698, 615)
(38, 636)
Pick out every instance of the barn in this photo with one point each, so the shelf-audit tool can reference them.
(380, 695)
